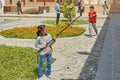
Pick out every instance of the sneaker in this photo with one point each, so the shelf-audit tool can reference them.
(42, 78)
(50, 76)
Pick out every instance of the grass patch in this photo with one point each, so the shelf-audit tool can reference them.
(30, 32)
(18, 63)
(77, 22)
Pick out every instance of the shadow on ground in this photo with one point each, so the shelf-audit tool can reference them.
(90, 68)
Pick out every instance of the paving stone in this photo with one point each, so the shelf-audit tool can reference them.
(71, 57)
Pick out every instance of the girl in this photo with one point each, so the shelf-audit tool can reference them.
(43, 38)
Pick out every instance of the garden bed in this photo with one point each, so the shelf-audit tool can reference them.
(18, 63)
(30, 32)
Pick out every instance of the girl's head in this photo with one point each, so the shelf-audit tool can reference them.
(42, 30)
(105, 1)
(91, 8)
(57, 1)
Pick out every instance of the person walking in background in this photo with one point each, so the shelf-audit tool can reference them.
(0, 7)
(57, 9)
(0, 4)
(70, 7)
(19, 10)
(79, 5)
(92, 21)
(82, 8)
(105, 8)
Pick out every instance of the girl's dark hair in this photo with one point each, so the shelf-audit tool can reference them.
(105, 1)
(91, 7)
(40, 29)
(57, 1)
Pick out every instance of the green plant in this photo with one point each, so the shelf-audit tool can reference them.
(30, 32)
(65, 10)
(18, 63)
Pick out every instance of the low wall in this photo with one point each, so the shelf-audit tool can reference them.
(39, 9)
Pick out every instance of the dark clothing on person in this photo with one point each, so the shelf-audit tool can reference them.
(80, 8)
(19, 10)
(79, 5)
(18, 4)
(57, 8)
(58, 17)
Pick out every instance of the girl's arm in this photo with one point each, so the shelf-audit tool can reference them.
(37, 43)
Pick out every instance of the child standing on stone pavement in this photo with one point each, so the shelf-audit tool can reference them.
(92, 21)
(41, 42)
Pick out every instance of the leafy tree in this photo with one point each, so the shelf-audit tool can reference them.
(65, 10)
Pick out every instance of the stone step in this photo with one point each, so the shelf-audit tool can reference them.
(104, 71)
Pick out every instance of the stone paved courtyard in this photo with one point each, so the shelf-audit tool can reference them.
(77, 57)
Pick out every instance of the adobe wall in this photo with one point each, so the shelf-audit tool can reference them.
(31, 5)
(115, 7)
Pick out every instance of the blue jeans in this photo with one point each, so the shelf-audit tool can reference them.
(40, 69)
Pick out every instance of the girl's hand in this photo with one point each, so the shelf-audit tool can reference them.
(44, 46)
(54, 39)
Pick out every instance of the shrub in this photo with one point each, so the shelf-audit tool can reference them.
(65, 11)
(30, 32)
